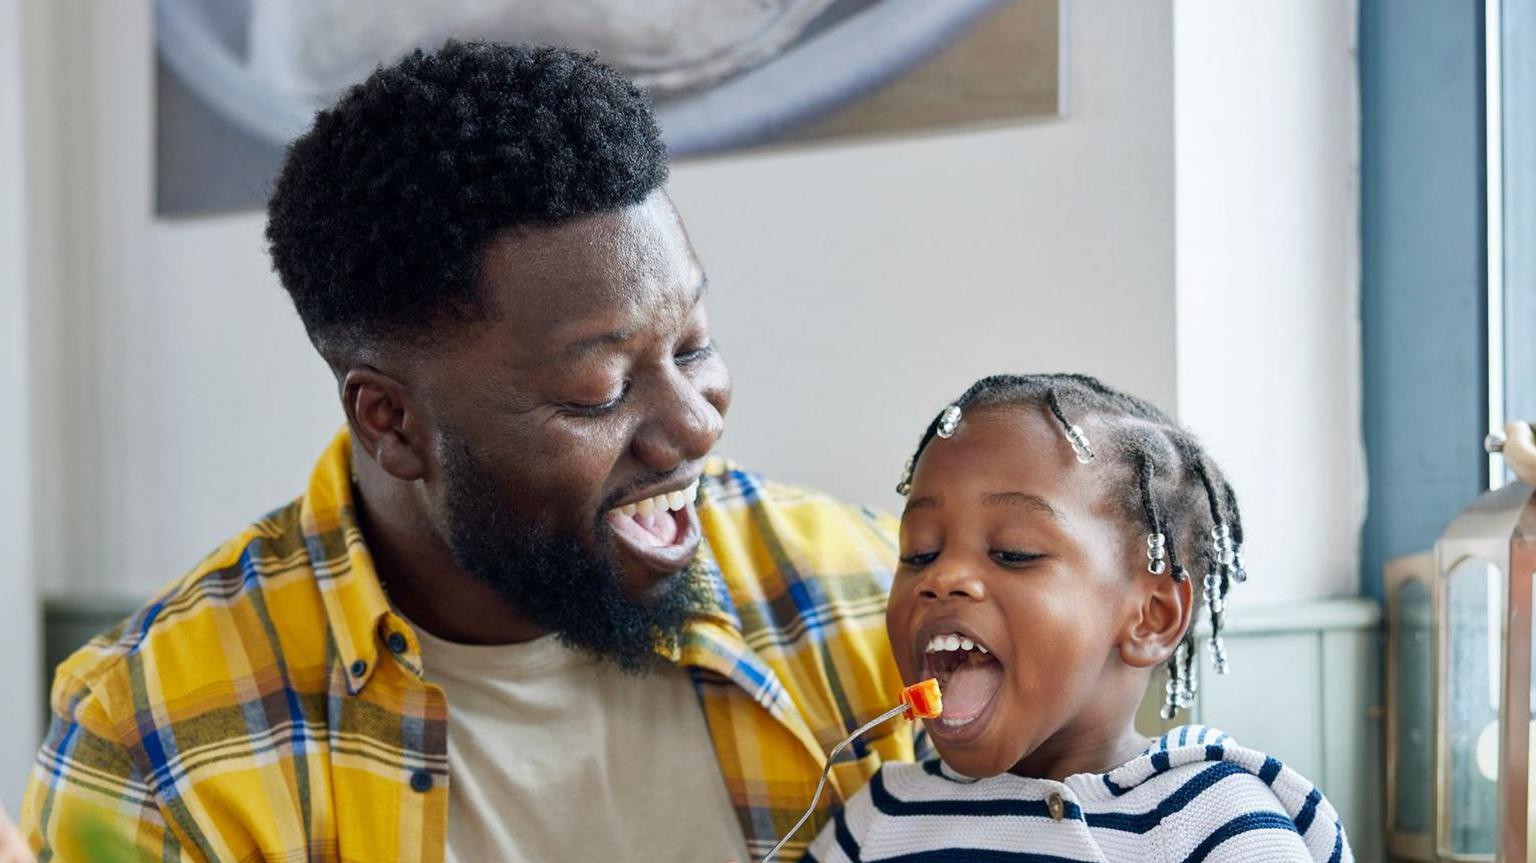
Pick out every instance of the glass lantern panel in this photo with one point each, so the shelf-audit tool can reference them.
(1413, 709)
(1475, 614)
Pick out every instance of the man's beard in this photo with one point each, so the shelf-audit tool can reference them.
(553, 581)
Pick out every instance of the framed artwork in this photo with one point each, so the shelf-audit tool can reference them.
(237, 79)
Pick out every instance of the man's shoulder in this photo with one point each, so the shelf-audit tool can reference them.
(191, 637)
(729, 488)
(763, 531)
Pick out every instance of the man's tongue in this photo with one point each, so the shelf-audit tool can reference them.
(969, 687)
(661, 526)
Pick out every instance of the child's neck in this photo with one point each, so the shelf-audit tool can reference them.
(1071, 752)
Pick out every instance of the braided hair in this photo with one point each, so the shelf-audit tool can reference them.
(1164, 482)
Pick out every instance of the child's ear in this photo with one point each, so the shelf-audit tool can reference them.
(1160, 620)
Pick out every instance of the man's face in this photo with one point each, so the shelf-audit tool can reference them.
(595, 389)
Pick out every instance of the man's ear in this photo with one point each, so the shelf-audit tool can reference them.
(385, 422)
(1162, 618)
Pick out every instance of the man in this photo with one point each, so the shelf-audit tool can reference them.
(520, 613)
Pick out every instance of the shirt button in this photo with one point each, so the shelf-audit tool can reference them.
(396, 642)
(1056, 806)
(421, 781)
(358, 668)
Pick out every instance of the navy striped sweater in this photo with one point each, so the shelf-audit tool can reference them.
(1193, 795)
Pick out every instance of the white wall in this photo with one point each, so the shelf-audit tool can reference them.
(855, 290)
(19, 671)
(1267, 115)
(183, 397)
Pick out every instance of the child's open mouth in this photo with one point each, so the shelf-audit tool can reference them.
(969, 676)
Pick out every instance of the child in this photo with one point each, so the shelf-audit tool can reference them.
(1047, 546)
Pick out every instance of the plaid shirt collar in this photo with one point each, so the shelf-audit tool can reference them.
(358, 612)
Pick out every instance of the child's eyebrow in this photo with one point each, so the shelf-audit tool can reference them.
(930, 502)
(1019, 498)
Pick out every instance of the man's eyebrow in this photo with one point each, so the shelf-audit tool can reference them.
(1019, 498)
(619, 337)
(929, 502)
(581, 346)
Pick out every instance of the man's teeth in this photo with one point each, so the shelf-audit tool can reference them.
(673, 501)
(952, 641)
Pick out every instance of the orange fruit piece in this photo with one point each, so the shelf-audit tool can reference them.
(923, 700)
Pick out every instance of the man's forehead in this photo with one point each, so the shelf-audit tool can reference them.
(592, 276)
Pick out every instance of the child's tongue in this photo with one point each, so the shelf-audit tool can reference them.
(969, 687)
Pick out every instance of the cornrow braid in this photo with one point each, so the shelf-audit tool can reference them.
(1166, 483)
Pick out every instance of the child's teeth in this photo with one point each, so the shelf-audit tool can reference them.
(952, 641)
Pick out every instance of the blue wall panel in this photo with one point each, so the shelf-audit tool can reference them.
(1423, 252)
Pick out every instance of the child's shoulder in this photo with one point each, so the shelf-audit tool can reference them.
(1203, 774)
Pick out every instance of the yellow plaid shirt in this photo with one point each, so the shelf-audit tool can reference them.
(271, 706)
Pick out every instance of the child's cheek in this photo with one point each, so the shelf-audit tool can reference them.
(898, 619)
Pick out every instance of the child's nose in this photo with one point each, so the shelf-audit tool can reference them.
(952, 582)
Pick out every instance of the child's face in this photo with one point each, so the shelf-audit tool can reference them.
(1011, 545)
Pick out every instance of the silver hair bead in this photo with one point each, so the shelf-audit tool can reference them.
(1079, 443)
(1156, 553)
(948, 422)
(1218, 652)
(905, 485)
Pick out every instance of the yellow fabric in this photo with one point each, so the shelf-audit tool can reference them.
(255, 711)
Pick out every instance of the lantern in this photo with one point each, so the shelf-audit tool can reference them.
(1481, 690)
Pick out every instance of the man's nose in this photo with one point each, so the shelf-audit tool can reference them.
(952, 580)
(683, 426)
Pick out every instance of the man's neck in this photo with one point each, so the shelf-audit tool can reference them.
(417, 570)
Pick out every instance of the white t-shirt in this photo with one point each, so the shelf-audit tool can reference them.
(556, 756)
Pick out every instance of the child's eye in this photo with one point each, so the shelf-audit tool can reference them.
(920, 559)
(1014, 558)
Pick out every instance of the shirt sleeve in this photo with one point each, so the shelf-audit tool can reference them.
(1250, 821)
(86, 799)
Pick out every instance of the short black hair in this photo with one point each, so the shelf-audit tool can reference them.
(383, 208)
(1158, 475)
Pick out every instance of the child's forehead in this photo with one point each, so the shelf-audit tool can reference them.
(1018, 443)
(1030, 427)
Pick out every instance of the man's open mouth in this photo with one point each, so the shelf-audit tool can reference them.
(662, 531)
(968, 674)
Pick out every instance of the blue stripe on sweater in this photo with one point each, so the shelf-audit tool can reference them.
(845, 838)
(1113, 788)
(888, 804)
(1236, 827)
(1134, 822)
(977, 855)
(1269, 771)
(1308, 811)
